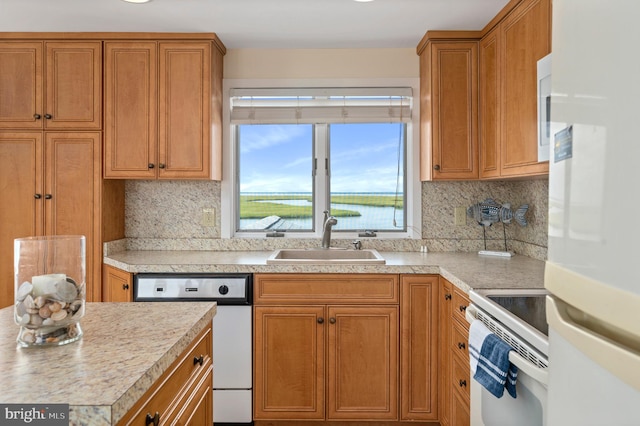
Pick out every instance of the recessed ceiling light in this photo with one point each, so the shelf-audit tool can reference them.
(137, 1)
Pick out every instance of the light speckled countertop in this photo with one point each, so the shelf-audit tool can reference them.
(465, 270)
(125, 348)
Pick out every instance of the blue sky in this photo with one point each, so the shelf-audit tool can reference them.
(277, 158)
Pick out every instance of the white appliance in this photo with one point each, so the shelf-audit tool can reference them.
(592, 269)
(516, 316)
(232, 333)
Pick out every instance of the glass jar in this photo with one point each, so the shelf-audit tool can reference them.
(50, 289)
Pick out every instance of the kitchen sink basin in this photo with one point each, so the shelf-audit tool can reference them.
(325, 256)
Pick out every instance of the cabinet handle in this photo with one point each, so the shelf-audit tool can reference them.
(47, 196)
(463, 308)
(37, 196)
(37, 116)
(161, 165)
(125, 286)
(151, 165)
(462, 383)
(461, 345)
(48, 116)
(155, 420)
(436, 167)
(320, 320)
(447, 297)
(332, 320)
(198, 360)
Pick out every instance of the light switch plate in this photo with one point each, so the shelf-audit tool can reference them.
(208, 217)
(460, 216)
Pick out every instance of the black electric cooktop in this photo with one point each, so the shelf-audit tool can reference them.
(529, 308)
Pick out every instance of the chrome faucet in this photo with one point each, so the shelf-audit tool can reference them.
(327, 223)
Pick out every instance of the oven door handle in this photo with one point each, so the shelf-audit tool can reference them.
(535, 372)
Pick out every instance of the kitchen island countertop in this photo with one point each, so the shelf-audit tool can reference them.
(125, 348)
(465, 270)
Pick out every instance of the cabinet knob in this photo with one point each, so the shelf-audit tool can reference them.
(320, 320)
(198, 360)
(47, 196)
(462, 383)
(151, 165)
(332, 320)
(161, 165)
(155, 420)
(125, 286)
(37, 116)
(461, 345)
(463, 308)
(37, 196)
(48, 116)
(447, 297)
(436, 167)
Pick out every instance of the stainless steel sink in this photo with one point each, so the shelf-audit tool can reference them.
(325, 256)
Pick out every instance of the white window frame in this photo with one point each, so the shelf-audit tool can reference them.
(413, 202)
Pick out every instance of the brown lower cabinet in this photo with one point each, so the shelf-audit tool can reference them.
(344, 347)
(117, 285)
(182, 395)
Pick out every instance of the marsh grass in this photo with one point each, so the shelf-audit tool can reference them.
(258, 206)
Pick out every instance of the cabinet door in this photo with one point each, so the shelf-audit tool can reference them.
(289, 362)
(362, 374)
(418, 334)
(20, 185)
(21, 85)
(73, 85)
(72, 196)
(453, 120)
(117, 285)
(526, 38)
(185, 110)
(131, 115)
(489, 97)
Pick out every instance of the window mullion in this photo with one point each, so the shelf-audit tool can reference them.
(321, 174)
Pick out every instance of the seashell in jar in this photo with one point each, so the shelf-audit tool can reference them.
(20, 309)
(59, 316)
(47, 322)
(44, 312)
(24, 319)
(75, 306)
(35, 320)
(28, 336)
(66, 291)
(28, 302)
(39, 302)
(55, 306)
(72, 331)
(24, 290)
(52, 339)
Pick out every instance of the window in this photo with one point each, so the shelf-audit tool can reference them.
(299, 152)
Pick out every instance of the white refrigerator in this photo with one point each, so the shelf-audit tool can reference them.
(593, 266)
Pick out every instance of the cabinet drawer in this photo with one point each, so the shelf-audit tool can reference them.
(161, 397)
(326, 288)
(461, 378)
(460, 341)
(460, 303)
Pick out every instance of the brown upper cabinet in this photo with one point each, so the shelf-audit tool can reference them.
(449, 107)
(52, 85)
(478, 96)
(163, 109)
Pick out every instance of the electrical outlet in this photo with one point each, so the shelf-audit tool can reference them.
(208, 217)
(460, 216)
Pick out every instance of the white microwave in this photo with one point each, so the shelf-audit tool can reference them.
(544, 107)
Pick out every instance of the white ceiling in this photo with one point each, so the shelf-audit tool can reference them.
(259, 23)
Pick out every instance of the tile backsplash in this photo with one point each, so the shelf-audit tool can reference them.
(167, 215)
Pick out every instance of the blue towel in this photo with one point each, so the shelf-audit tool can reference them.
(494, 371)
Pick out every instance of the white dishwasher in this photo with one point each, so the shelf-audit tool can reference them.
(232, 332)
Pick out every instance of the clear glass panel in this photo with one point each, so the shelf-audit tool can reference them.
(367, 176)
(275, 181)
